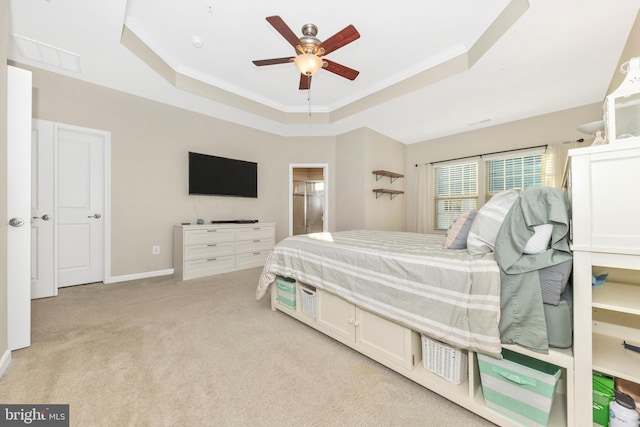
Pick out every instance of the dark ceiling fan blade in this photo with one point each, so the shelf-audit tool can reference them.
(339, 39)
(341, 70)
(273, 61)
(305, 82)
(284, 30)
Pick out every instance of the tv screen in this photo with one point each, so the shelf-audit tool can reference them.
(219, 176)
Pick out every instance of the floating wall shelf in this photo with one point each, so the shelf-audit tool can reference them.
(392, 175)
(393, 193)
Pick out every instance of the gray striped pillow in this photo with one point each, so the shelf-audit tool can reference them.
(483, 232)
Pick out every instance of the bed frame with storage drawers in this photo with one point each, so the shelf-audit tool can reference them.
(400, 349)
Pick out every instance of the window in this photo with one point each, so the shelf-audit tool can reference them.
(515, 172)
(456, 184)
(456, 192)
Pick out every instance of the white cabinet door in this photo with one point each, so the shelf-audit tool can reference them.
(336, 316)
(368, 333)
(385, 338)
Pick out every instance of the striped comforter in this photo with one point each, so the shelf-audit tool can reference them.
(405, 277)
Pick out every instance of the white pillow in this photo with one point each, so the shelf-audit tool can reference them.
(539, 242)
(483, 232)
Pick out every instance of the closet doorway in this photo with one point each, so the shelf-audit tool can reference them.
(307, 198)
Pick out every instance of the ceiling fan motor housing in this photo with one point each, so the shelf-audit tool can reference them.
(309, 43)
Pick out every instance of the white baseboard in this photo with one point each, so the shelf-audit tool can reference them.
(137, 276)
(4, 361)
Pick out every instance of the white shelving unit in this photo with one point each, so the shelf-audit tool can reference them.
(606, 237)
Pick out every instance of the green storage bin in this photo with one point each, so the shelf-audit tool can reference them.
(286, 291)
(602, 395)
(519, 386)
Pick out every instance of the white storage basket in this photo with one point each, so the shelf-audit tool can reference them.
(448, 362)
(308, 298)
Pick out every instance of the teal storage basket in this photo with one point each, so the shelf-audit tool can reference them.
(519, 386)
(286, 292)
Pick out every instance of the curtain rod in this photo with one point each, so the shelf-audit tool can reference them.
(495, 152)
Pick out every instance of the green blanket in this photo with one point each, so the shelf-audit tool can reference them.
(522, 318)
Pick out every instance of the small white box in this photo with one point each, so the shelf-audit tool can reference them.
(448, 362)
(308, 298)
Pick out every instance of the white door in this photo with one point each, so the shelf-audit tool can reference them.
(80, 172)
(18, 207)
(43, 259)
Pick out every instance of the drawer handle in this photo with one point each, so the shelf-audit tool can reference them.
(256, 241)
(212, 231)
(256, 253)
(256, 228)
(212, 259)
(213, 244)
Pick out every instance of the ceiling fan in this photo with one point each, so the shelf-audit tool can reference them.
(310, 50)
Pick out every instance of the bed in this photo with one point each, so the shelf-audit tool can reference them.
(405, 277)
(476, 288)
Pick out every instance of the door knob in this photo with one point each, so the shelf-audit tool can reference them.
(45, 217)
(96, 216)
(16, 222)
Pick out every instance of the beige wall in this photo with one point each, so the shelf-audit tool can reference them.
(358, 154)
(4, 36)
(350, 205)
(383, 153)
(555, 128)
(149, 145)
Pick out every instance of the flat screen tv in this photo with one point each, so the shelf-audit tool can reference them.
(220, 176)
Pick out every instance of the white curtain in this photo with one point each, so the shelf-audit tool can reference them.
(555, 158)
(423, 220)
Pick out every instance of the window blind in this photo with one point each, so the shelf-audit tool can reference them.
(456, 188)
(515, 172)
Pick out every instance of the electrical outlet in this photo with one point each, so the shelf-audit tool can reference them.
(155, 250)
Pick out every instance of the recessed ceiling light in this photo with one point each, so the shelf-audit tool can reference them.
(196, 41)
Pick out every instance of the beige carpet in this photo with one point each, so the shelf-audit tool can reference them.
(204, 352)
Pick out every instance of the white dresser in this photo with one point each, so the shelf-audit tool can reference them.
(205, 250)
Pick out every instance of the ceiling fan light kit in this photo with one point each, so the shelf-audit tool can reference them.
(308, 63)
(310, 50)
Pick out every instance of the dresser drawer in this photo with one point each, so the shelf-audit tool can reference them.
(208, 266)
(256, 232)
(208, 250)
(251, 259)
(255, 245)
(203, 235)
